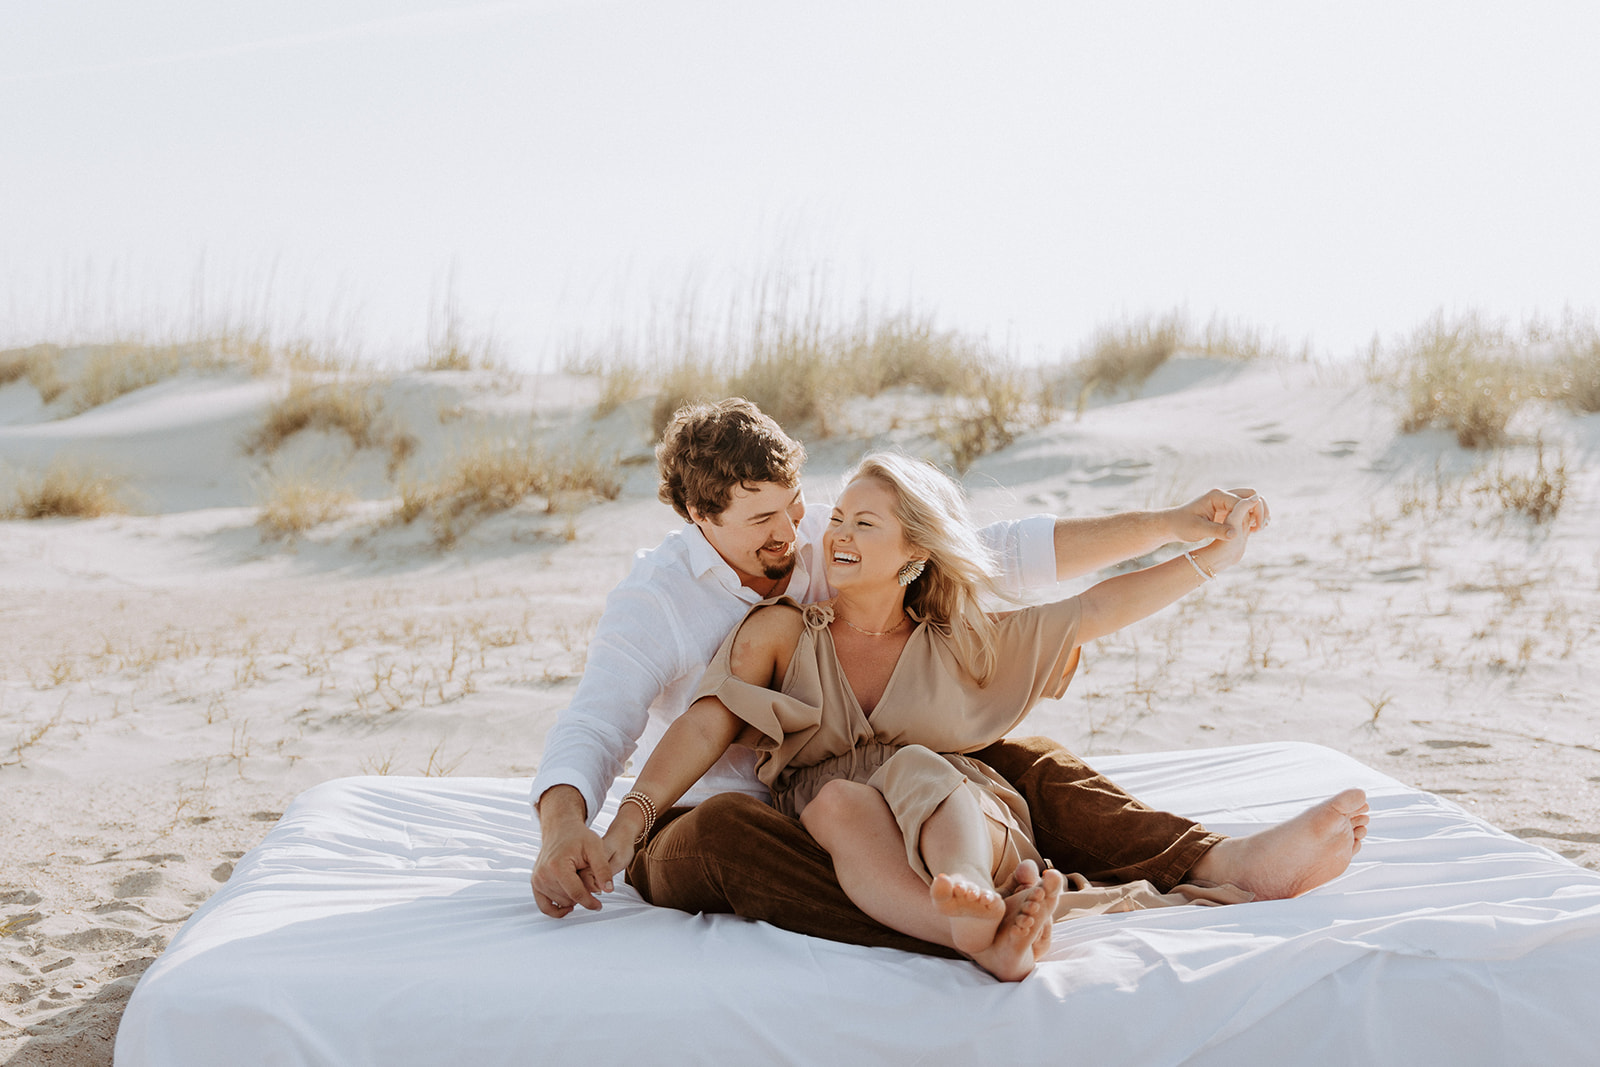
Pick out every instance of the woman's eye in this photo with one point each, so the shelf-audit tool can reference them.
(833, 520)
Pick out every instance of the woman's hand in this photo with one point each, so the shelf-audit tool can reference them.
(1245, 518)
(618, 842)
(619, 849)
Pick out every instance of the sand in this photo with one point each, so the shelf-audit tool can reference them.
(172, 679)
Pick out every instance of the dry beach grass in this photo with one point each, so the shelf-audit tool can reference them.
(174, 675)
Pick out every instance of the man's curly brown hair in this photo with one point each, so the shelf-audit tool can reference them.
(707, 449)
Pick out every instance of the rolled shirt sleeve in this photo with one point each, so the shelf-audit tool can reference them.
(1025, 549)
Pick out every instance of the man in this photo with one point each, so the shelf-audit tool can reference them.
(734, 476)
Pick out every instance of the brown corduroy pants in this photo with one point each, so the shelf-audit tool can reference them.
(735, 854)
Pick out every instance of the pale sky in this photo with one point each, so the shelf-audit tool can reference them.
(1025, 170)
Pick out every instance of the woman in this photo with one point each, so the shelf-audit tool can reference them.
(861, 706)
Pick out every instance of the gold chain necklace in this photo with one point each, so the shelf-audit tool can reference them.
(873, 633)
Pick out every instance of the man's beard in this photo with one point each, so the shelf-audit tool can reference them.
(781, 569)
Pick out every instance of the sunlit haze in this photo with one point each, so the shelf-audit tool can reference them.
(1027, 170)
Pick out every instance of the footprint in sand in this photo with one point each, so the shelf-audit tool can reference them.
(160, 857)
(1121, 472)
(1455, 744)
(1272, 439)
(138, 884)
(1340, 449)
(1411, 572)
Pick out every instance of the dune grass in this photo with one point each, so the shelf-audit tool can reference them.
(793, 355)
(340, 406)
(294, 503)
(112, 371)
(1121, 356)
(66, 489)
(1465, 376)
(38, 365)
(1471, 377)
(451, 345)
(1537, 494)
(491, 476)
(1578, 376)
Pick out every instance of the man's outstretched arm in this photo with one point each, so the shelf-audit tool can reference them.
(1086, 545)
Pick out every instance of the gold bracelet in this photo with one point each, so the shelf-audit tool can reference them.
(1205, 573)
(647, 806)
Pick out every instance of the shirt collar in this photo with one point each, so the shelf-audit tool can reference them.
(704, 559)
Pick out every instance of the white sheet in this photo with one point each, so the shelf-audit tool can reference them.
(388, 921)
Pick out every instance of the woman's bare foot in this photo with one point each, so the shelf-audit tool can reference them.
(1293, 857)
(1053, 884)
(1011, 954)
(975, 911)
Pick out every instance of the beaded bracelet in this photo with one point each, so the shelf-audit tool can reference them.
(647, 806)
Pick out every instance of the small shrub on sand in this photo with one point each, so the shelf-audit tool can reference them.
(493, 476)
(1004, 404)
(798, 371)
(336, 406)
(1125, 355)
(1578, 377)
(116, 370)
(1465, 377)
(65, 490)
(686, 382)
(295, 503)
(907, 350)
(1538, 495)
(450, 345)
(619, 384)
(40, 365)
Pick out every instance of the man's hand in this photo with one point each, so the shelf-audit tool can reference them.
(1205, 518)
(573, 862)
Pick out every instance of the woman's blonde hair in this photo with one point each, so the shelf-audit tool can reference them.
(932, 510)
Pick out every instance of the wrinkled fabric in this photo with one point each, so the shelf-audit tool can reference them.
(389, 921)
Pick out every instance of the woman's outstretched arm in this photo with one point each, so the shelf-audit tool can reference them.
(1127, 598)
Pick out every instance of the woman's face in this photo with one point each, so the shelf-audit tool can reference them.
(865, 544)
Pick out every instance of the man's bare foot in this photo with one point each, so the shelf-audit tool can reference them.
(975, 911)
(1011, 955)
(1293, 857)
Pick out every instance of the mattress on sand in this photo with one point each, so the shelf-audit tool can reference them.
(389, 921)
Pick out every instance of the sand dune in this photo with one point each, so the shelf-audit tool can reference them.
(172, 677)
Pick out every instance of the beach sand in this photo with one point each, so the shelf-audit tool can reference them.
(171, 679)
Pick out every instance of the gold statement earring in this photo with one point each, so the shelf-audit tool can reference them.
(911, 571)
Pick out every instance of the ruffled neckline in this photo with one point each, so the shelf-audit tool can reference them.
(817, 616)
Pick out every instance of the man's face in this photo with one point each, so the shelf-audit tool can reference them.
(755, 535)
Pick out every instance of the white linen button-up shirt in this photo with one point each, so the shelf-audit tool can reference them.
(664, 622)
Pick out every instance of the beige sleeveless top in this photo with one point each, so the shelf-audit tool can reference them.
(930, 700)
